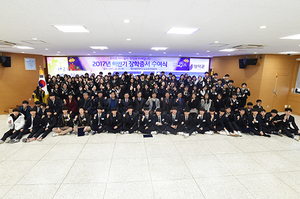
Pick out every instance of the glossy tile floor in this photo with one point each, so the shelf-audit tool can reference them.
(166, 166)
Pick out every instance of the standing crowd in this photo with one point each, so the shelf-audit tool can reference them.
(147, 104)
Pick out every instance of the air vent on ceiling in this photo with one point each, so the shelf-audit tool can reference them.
(6, 44)
(249, 46)
(216, 45)
(34, 42)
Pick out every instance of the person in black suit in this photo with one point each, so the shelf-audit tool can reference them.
(130, 121)
(241, 120)
(159, 121)
(274, 122)
(64, 123)
(98, 101)
(248, 110)
(188, 123)
(219, 103)
(47, 124)
(114, 121)
(202, 122)
(258, 105)
(289, 127)
(111, 102)
(166, 104)
(86, 104)
(255, 124)
(42, 111)
(32, 125)
(99, 121)
(54, 104)
(179, 103)
(139, 103)
(146, 122)
(124, 103)
(83, 121)
(174, 121)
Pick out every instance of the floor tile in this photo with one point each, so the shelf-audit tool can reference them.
(177, 189)
(129, 190)
(97, 151)
(80, 191)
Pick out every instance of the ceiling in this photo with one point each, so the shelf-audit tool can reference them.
(232, 22)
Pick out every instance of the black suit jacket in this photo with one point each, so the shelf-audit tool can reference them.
(139, 105)
(56, 106)
(130, 120)
(166, 107)
(36, 122)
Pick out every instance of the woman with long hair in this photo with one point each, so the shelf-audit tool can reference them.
(39, 95)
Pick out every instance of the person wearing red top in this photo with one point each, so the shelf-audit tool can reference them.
(71, 103)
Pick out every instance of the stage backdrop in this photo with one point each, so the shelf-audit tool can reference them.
(135, 65)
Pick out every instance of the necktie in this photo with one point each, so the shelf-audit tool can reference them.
(98, 120)
(167, 101)
(159, 119)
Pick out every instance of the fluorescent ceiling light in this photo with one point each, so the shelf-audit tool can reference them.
(216, 42)
(183, 31)
(128, 39)
(291, 37)
(262, 27)
(289, 52)
(126, 21)
(99, 47)
(159, 48)
(71, 28)
(208, 51)
(228, 50)
(24, 47)
(34, 39)
(46, 49)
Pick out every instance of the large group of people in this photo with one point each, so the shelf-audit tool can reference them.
(146, 104)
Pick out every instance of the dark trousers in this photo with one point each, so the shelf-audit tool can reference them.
(97, 129)
(174, 131)
(204, 129)
(143, 129)
(24, 132)
(131, 130)
(189, 129)
(8, 134)
(290, 132)
(40, 132)
(244, 129)
(256, 132)
(111, 129)
(160, 128)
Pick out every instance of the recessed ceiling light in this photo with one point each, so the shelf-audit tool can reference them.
(128, 39)
(159, 48)
(23, 52)
(71, 28)
(126, 21)
(99, 47)
(228, 50)
(164, 52)
(197, 53)
(58, 51)
(289, 52)
(179, 55)
(216, 42)
(34, 39)
(24, 47)
(94, 52)
(129, 52)
(57, 54)
(255, 52)
(183, 31)
(89, 54)
(291, 37)
(46, 49)
(150, 54)
(262, 27)
(119, 54)
(208, 51)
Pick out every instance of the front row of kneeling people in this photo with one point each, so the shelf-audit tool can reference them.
(224, 122)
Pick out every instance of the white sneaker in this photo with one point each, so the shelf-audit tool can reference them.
(239, 133)
(153, 132)
(223, 132)
(7, 140)
(186, 135)
(122, 132)
(138, 132)
(209, 132)
(55, 134)
(297, 138)
(1, 141)
(194, 133)
(180, 133)
(226, 131)
(168, 132)
(126, 132)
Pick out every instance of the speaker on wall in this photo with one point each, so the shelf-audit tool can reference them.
(241, 64)
(2, 59)
(7, 62)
